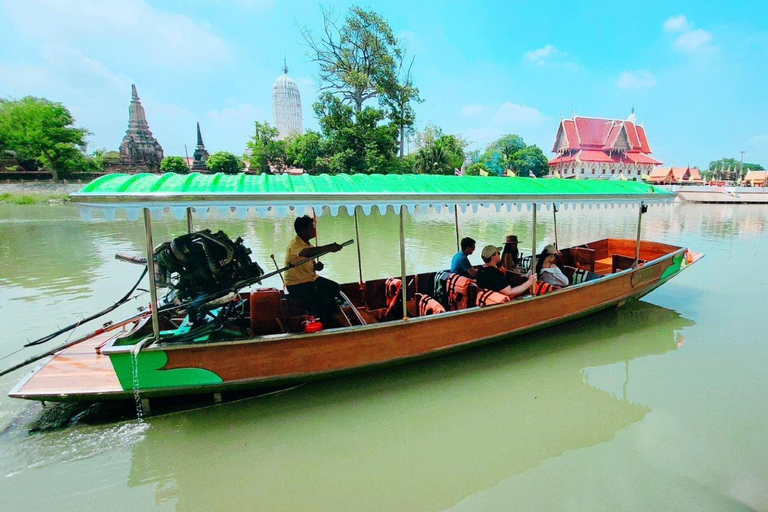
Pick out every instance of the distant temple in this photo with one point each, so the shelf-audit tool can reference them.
(597, 148)
(139, 150)
(286, 106)
(675, 176)
(200, 156)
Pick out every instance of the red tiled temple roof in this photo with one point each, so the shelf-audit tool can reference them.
(595, 139)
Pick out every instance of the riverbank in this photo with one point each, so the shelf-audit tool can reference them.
(37, 192)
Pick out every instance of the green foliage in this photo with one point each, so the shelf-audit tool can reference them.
(511, 152)
(303, 151)
(474, 169)
(728, 168)
(362, 59)
(104, 158)
(438, 153)
(264, 149)
(224, 161)
(355, 142)
(175, 164)
(41, 132)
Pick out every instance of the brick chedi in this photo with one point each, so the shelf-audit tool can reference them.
(139, 150)
(200, 156)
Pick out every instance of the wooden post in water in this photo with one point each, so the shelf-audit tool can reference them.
(189, 220)
(357, 243)
(404, 285)
(151, 272)
(456, 217)
(643, 209)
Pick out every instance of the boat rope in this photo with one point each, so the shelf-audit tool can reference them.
(111, 308)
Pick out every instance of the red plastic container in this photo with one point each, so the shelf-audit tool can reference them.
(312, 324)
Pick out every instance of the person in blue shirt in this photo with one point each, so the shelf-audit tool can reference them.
(460, 263)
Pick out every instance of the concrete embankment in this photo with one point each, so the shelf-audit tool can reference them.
(37, 192)
(720, 195)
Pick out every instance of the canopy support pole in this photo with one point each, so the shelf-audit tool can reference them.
(151, 272)
(357, 243)
(404, 285)
(533, 245)
(643, 209)
(554, 215)
(456, 217)
(189, 220)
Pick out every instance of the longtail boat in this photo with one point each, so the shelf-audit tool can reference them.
(261, 343)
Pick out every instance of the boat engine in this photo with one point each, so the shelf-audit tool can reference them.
(202, 263)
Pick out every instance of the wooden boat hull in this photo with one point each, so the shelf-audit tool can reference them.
(283, 359)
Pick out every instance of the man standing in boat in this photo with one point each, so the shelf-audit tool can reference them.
(317, 294)
(490, 277)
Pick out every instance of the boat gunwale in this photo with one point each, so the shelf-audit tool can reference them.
(262, 382)
(110, 348)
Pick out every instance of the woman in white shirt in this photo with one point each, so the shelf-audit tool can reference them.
(547, 269)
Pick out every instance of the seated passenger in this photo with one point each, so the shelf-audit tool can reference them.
(460, 263)
(317, 294)
(510, 256)
(490, 277)
(547, 269)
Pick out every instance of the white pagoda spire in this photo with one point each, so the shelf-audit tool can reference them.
(286, 106)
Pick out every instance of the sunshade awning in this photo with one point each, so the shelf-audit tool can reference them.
(279, 193)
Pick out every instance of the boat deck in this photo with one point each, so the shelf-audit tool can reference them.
(76, 370)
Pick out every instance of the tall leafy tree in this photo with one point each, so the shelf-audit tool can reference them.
(42, 133)
(362, 59)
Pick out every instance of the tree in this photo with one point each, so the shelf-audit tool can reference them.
(356, 142)
(304, 150)
(530, 160)
(358, 60)
(474, 169)
(224, 161)
(175, 164)
(265, 151)
(731, 165)
(439, 153)
(104, 158)
(41, 132)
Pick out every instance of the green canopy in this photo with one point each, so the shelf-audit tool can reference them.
(265, 192)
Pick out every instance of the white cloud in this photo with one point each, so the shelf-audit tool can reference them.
(689, 40)
(677, 24)
(636, 80)
(472, 110)
(692, 41)
(528, 122)
(512, 113)
(540, 56)
(131, 31)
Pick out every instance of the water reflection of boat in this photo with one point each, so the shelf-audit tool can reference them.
(165, 358)
(423, 437)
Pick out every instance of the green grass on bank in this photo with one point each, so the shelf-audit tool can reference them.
(20, 198)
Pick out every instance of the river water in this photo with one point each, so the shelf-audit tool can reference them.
(660, 404)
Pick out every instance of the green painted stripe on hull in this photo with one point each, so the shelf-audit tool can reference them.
(152, 376)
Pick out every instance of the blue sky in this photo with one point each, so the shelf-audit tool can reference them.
(695, 71)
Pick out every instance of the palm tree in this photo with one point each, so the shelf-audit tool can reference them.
(433, 160)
